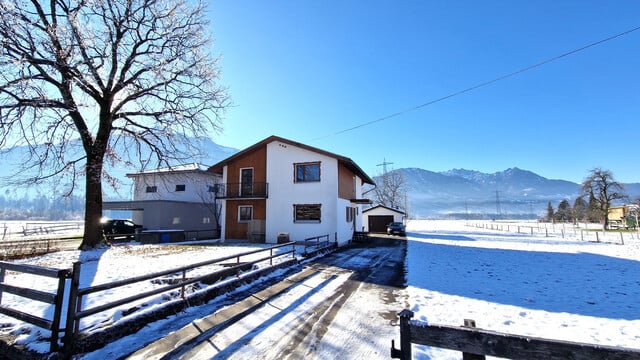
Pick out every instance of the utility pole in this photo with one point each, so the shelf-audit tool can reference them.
(384, 166)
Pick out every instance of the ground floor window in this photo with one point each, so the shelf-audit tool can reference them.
(245, 213)
(351, 214)
(307, 212)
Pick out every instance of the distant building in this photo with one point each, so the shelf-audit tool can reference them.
(180, 197)
(280, 186)
(376, 219)
(617, 215)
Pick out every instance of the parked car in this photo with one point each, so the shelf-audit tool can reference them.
(120, 227)
(396, 228)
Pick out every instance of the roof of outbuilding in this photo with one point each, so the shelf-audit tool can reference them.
(384, 207)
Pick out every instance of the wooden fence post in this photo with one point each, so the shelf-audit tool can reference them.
(469, 323)
(70, 328)
(404, 353)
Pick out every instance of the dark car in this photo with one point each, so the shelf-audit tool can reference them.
(396, 228)
(120, 227)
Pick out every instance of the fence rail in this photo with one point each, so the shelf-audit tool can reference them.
(55, 299)
(316, 243)
(76, 312)
(36, 229)
(476, 343)
(561, 230)
(19, 248)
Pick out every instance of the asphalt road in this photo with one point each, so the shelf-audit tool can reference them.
(340, 306)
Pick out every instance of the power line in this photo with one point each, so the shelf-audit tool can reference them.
(483, 84)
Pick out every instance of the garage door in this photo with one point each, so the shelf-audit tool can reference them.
(378, 223)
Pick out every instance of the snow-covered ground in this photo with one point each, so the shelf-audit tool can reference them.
(550, 287)
(535, 285)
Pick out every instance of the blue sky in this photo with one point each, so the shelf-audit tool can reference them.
(308, 70)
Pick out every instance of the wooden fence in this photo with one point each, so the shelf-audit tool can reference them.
(475, 343)
(76, 312)
(316, 244)
(35, 229)
(561, 230)
(54, 299)
(169, 280)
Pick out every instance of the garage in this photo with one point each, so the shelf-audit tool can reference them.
(378, 223)
(376, 219)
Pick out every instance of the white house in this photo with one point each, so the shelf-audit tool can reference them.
(281, 186)
(181, 197)
(377, 218)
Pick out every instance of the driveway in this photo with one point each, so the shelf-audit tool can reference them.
(340, 306)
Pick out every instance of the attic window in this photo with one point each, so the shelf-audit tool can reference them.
(180, 187)
(307, 172)
(152, 189)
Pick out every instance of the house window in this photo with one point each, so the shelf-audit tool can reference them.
(176, 220)
(307, 172)
(307, 212)
(351, 214)
(206, 220)
(180, 187)
(152, 189)
(245, 213)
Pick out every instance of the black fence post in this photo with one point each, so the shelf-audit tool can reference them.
(70, 332)
(404, 353)
(469, 323)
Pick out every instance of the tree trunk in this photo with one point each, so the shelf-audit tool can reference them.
(93, 235)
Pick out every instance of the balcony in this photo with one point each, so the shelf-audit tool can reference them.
(243, 191)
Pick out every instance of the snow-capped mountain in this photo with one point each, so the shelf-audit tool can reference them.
(510, 193)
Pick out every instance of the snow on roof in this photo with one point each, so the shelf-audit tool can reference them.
(192, 167)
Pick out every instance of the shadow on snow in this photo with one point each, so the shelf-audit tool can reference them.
(579, 283)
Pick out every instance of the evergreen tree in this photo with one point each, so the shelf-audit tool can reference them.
(563, 213)
(549, 212)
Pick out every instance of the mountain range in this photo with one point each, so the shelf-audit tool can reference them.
(456, 193)
(512, 193)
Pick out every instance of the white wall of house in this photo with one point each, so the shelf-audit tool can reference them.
(284, 193)
(196, 186)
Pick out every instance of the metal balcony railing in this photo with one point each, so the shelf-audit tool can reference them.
(259, 190)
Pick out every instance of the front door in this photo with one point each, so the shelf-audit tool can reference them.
(246, 182)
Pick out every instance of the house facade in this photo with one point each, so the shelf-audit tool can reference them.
(280, 186)
(180, 197)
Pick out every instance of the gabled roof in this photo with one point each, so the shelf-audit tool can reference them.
(345, 161)
(384, 207)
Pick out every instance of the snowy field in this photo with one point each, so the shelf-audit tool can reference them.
(544, 286)
(550, 287)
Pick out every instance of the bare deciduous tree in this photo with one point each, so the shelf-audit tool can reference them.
(601, 188)
(391, 190)
(79, 77)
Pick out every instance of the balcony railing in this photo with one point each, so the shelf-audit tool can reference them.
(243, 191)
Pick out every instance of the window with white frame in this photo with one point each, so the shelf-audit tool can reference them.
(245, 213)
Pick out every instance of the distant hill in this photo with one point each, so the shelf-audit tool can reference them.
(512, 193)
(211, 153)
